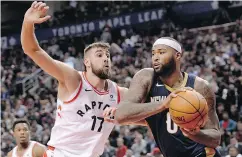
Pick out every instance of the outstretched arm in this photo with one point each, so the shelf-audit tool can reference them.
(67, 76)
(209, 135)
(131, 108)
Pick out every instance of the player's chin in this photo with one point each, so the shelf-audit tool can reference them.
(157, 70)
(105, 75)
(22, 140)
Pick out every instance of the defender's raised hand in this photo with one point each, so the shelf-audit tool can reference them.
(37, 13)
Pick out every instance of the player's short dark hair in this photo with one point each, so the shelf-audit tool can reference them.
(93, 45)
(20, 121)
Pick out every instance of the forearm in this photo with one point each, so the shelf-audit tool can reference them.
(28, 38)
(208, 137)
(132, 112)
(140, 123)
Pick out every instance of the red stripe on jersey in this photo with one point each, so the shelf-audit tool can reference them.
(95, 89)
(79, 91)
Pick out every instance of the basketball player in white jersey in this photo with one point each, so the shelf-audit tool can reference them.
(79, 129)
(25, 147)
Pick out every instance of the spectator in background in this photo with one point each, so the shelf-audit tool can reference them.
(20, 110)
(235, 143)
(106, 35)
(122, 149)
(151, 144)
(139, 145)
(220, 110)
(109, 151)
(227, 123)
(233, 152)
(234, 113)
(239, 130)
(156, 152)
(129, 153)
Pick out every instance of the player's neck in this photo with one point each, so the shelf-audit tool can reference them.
(96, 82)
(23, 146)
(174, 80)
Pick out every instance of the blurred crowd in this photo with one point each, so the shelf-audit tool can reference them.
(213, 54)
(82, 11)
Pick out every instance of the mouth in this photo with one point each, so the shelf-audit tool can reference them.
(156, 65)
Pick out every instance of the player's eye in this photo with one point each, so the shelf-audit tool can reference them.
(99, 55)
(108, 55)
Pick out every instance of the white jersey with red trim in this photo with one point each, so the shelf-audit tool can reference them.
(28, 152)
(79, 126)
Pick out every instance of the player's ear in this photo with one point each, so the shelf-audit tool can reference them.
(13, 134)
(87, 62)
(178, 55)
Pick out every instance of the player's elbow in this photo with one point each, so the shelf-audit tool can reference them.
(119, 118)
(30, 50)
(215, 143)
(216, 140)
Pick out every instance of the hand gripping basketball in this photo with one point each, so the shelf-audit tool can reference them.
(174, 94)
(37, 13)
(189, 110)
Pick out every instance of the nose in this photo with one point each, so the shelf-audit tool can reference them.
(105, 58)
(22, 133)
(155, 57)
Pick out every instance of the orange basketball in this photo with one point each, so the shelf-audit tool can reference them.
(189, 109)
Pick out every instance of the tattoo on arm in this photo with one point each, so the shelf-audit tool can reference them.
(203, 88)
(210, 134)
(132, 108)
(138, 87)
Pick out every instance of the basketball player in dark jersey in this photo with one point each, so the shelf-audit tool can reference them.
(156, 86)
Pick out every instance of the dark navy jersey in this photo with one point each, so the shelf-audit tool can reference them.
(168, 136)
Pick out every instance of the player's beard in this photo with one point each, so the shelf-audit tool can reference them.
(101, 73)
(167, 69)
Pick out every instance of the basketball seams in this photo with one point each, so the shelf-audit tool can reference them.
(192, 119)
(182, 111)
(198, 119)
(199, 107)
(190, 104)
(200, 113)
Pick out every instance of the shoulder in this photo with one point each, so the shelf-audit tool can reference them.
(38, 149)
(38, 145)
(144, 76)
(204, 88)
(145, 72)
(201, 84)
(123, 91)
(10, 153)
